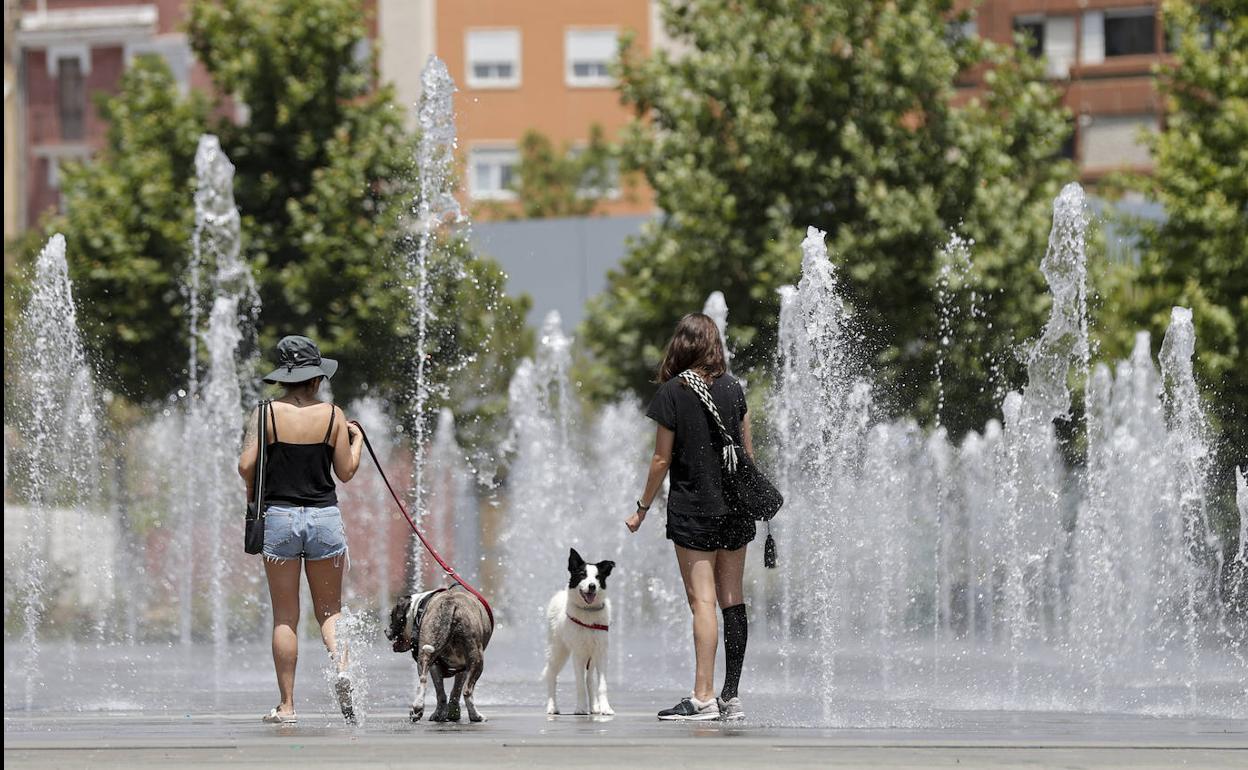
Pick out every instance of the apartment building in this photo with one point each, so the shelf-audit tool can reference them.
(1101, 54)
(539, 64)
(64, 53)
(520, 66)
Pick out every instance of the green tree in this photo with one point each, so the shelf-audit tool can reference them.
(127, 226)
(1197, 256)
(560, 183)
(322, 179)
(320, 159)
(778, 114)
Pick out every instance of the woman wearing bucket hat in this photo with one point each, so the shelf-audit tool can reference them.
(303, 527)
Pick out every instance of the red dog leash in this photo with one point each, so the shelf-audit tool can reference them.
(450, 571)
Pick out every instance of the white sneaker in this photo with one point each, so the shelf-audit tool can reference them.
(730, 710)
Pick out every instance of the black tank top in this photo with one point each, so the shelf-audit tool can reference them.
(299, 474)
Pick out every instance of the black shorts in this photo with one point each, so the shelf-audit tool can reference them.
(709, 533)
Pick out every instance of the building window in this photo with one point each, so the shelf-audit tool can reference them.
(588, 54)
(1131, 31)
(1052, 37)
(493, 58)
(71, 98)
(176, 52)
(1032, 28)
(1113, 141)
(492, 173)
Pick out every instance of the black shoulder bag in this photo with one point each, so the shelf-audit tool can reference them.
(747, 491)
(253, 537)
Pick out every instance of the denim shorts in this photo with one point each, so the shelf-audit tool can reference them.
(292, 532)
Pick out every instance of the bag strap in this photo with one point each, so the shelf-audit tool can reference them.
(262, 454)
(699, 388)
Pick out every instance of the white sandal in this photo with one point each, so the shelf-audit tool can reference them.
(274, 718)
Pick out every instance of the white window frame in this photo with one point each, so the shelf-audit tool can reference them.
(497, 153)
(475, 81)
(1060, 52)
(1058, 49)
(569, 64)
(1092, 40)
(175, 50)
(79, 51)
(1129, 12)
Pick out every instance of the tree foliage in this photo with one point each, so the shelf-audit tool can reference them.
(550, 182)
(322, 179)
(1197, 256)
(127, 228)
(778, 114)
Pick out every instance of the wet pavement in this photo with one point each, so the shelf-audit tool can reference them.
(523, 736)
(161, 706)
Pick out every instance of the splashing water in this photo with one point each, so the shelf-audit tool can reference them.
(433, 208)
(544, 484)
(453, 519)
(56, 462)
(1237, 595)
(1119, 586)
(917, 571)
(376, 535)
(717, 308)
(955, 272)
(211, 489)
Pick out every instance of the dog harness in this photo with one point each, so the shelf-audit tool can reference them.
(416, 614)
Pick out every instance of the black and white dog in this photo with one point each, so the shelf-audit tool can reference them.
(577, 620)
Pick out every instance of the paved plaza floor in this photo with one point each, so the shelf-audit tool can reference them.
(633, 738)
(161, 706)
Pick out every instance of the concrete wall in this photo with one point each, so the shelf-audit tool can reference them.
(560, 263)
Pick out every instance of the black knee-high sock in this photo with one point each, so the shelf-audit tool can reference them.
(736, 633)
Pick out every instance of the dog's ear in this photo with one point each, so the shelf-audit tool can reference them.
(604, 568)
(575, 561)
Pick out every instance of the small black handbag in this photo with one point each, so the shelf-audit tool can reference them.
(747, 491)
(253, 536)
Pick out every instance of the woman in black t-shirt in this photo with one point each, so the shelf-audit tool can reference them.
(710, 542)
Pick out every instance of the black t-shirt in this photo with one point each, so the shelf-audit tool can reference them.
(696, 487)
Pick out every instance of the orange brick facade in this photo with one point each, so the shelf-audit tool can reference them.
(497, 117)
(1111, 96)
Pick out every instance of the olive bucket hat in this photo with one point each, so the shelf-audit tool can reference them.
(299, 360)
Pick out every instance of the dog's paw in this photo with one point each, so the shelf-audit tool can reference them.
(437, 716)
(476, 716)
(551, 708)
(416, 713)
(607, 711)
(452, 714)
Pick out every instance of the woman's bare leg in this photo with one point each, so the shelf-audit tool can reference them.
(697, 568)
(325, 580)
(284, 591)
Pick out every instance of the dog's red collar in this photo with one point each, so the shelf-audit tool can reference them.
(591, 626)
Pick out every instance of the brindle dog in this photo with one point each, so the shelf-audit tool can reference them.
(453, 635)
